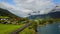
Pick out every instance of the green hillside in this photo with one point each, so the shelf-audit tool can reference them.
(4, 12)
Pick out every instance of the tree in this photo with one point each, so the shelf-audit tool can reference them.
(34, 25)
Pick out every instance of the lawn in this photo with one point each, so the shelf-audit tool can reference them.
(27, 31)
(8, 28)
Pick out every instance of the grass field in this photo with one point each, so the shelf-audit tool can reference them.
(27, 31)
(8, 28)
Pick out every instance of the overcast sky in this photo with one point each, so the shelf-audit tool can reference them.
(24, 7)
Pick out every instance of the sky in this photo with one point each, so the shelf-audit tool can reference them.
(9, 1)
(12, 2)
(24, 7)
(56, 1)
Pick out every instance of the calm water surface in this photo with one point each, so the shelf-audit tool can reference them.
(49, 29)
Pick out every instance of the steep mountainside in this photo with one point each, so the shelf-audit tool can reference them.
(4, 12)
(50, 15)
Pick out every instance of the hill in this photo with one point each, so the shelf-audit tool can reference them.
(50, 15)
(4, 12)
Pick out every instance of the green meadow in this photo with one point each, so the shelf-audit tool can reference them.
(27, 31)
(8, 28)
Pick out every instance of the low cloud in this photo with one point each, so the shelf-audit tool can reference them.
(15, 9)
(24, 7)
(36, 5)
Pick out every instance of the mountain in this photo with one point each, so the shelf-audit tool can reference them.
(55, 14)
(49, 15)
(4, 12)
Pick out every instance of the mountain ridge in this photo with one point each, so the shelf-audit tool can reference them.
(50, 15)
(4, 12)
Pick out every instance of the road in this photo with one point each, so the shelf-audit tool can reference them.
(21, 29)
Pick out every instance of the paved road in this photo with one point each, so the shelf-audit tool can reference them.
(21, 29)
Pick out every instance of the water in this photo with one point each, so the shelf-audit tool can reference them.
(49, 29)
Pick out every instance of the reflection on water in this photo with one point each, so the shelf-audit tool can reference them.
(49, 29)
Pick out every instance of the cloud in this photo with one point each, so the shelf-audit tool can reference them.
(57, 8)
(24, 7)
(15, 9)
(36, 5)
